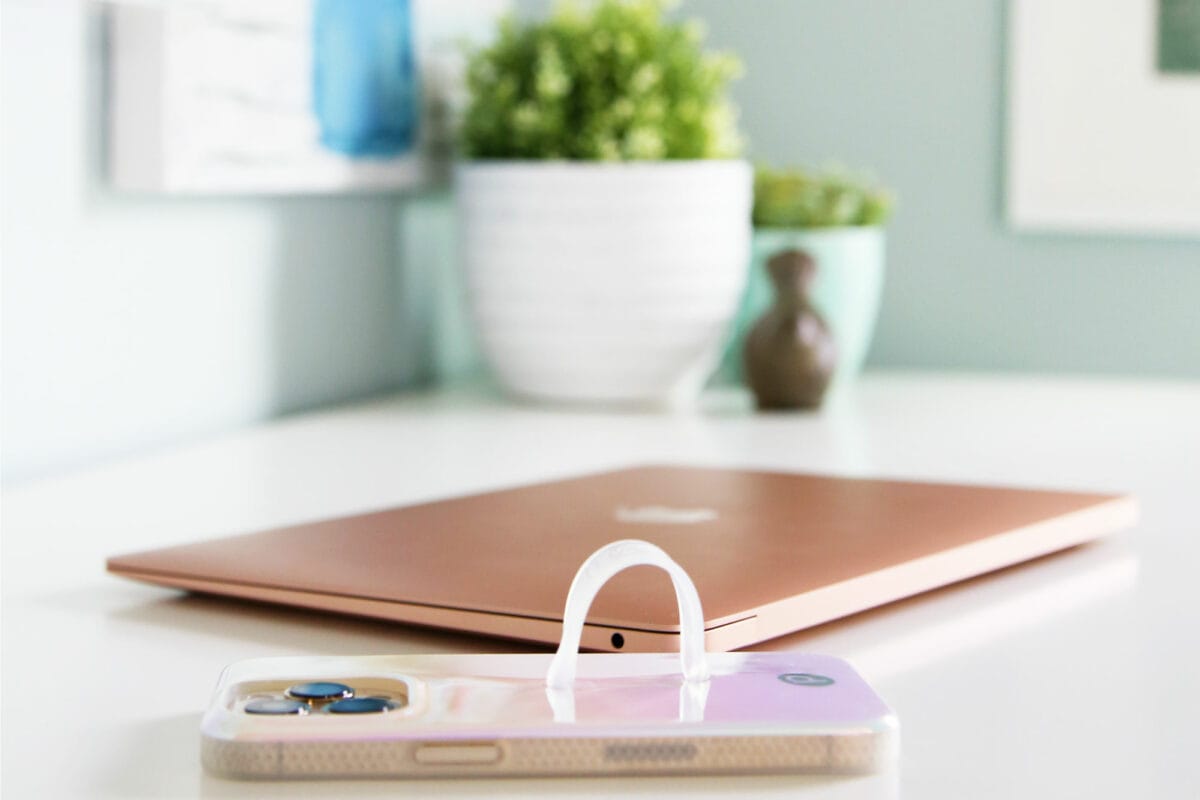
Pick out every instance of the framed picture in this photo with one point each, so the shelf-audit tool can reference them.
(1104, 116)
(285, 96)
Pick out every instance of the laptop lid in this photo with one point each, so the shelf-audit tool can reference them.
(770, 553)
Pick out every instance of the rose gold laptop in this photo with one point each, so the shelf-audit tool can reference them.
(770, 553)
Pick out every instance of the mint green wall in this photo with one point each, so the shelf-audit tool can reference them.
(915, 90)
(131, 323)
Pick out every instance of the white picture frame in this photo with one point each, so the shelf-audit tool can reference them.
(215, 97)
(1099, 138)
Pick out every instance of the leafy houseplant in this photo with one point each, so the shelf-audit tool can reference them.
(612, 83)
(838, 218)
(798, 198)
(605, 219)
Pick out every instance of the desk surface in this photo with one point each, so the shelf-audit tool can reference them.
(1074, 676)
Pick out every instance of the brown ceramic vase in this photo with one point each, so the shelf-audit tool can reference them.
(789, 353)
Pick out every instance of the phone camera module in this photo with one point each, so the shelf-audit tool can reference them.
(361, 705)
(320, 690)
(276, 706)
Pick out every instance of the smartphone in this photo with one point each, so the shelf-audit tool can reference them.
(492, 715)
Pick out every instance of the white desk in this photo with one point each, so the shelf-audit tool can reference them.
(1075, 676)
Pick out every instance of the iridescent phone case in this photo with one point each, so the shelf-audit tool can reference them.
(493, 715)
(376, 716)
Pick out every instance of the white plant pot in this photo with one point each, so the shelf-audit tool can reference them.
(609, 283)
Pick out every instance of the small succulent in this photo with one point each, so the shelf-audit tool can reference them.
(799, 198)
(609, 81)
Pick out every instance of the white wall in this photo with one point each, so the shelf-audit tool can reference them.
(132, 323)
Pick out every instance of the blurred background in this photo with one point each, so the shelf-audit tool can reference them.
(138, 318)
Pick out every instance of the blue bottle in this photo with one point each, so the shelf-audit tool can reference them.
(365, 89)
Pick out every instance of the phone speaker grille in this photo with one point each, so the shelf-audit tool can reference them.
(650, 752)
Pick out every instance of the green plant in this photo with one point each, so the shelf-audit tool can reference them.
(609, 81)
(798, 198)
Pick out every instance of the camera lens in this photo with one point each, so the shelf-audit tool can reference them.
(361, 705)
(320, 690)
(276, 705)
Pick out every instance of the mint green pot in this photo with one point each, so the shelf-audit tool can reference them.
(847, 291)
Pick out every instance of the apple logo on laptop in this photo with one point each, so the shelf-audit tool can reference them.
(664, 515)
